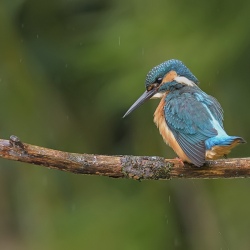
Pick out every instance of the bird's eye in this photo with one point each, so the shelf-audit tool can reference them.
(158, 80)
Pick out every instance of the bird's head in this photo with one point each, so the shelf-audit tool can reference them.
(169, 75)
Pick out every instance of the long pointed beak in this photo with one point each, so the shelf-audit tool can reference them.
(144, 97)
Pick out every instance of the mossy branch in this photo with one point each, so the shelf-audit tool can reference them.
(124, 166)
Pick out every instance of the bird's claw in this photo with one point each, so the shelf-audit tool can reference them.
(180, 161)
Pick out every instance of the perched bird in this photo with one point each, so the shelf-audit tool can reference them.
(189, 120)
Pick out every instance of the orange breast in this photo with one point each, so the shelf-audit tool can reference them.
(167, 135)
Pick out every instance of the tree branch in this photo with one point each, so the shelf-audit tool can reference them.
(133, 167)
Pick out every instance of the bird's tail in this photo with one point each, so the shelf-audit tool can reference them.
(231, 140)
(219, 146)
(239, 139)
(224, 141)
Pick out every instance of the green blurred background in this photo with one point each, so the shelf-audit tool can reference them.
(69, 70)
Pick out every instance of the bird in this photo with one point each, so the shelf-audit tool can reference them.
(189, 120)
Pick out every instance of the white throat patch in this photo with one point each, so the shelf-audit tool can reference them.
(184, 80)
(157, 95)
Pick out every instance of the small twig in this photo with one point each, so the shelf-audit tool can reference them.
(133, 167)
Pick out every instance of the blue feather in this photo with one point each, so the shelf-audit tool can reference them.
(221, 141)
(196, 121)
(173, 64)
(193, 117)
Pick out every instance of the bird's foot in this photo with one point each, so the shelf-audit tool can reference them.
(176, 159)
(180, 161)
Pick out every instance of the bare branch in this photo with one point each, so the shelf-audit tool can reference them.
(133, 167)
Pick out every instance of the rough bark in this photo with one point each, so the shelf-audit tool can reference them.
(124, 166)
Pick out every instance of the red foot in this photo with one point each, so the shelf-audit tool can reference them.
(180, 161)
(176, 159)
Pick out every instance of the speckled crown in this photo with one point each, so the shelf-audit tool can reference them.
(162, 69)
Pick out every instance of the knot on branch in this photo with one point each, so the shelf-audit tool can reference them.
(146, 167)
(17, 145)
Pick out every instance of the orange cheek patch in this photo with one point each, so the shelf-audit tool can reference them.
(169, 77)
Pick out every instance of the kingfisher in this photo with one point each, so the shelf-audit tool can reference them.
(189, 120)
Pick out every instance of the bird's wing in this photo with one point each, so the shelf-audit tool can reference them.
(212, 104)
(188, 120)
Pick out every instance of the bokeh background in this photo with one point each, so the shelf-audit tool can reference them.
(69, 70)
